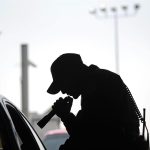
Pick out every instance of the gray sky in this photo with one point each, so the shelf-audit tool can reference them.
(53, 27)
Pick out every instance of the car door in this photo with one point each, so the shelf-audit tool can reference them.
(24, 134)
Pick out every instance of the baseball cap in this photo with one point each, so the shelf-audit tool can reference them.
(64, 66)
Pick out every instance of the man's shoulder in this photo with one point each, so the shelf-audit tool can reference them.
(103, 72)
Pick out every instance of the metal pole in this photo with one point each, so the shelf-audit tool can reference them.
(116, 15)
(116, 34)
(24, 56)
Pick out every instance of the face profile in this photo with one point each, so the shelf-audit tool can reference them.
(70, 87)
(66, 73)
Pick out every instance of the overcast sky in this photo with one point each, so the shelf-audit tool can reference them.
(53, 27)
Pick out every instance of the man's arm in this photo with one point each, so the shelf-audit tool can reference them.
(69, 122)
(62, 109)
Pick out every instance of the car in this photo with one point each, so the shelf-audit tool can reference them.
(54, 138)
(16, 132)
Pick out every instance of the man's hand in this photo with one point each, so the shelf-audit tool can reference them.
(62, 106)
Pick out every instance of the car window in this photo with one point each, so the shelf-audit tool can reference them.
(8, 136)
(35, 135)
(28, 138)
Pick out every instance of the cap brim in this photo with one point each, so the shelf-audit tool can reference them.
(53, 88)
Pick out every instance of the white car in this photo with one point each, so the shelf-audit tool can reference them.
(54, 138)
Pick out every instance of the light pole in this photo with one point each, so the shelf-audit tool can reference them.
(115, 13)
(24, 83)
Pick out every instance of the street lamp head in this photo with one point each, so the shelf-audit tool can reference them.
(93, 11)
(136, 6)
(103, 10)
(125, 8)
(113, 9)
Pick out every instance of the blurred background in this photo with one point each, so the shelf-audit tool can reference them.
(113, 34)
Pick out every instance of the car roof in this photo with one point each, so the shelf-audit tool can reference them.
(56, 131)
(3, 98)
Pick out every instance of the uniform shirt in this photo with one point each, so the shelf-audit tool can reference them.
(107, 118)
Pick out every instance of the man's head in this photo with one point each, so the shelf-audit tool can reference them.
(66, 70)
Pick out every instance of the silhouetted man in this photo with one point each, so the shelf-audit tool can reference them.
(107, 120)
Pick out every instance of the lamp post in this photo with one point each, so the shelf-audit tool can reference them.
(24, 83)
(115, 13)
